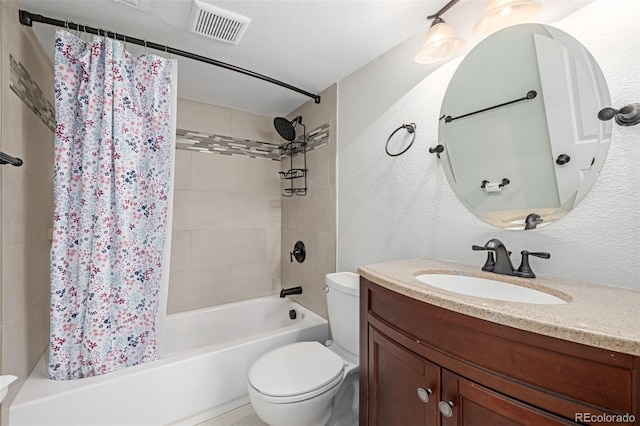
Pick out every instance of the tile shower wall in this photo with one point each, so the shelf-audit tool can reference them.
(227, 208)
(312, 218)
(26, 96)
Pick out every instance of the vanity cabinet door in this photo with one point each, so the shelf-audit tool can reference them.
(471, 404)
(403, 387)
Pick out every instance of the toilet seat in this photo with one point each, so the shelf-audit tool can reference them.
(296, 372)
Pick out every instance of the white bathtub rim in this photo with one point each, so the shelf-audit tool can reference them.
(193, 312)
(305, 315)
(34, 391)
(40, 372)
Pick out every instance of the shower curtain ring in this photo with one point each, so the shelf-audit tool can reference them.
(145, 47)
(124, 37)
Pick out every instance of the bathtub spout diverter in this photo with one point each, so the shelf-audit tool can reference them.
(292, 290)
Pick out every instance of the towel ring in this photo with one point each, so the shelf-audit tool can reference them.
(411, 128)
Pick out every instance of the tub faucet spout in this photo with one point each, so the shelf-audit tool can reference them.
(292, 290)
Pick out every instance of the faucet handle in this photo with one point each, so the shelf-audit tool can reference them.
(541, 254)
(525, 270)
(490, 263)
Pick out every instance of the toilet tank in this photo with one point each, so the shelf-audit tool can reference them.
(343, 303)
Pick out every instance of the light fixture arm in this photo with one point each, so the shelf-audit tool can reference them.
(443, 10)
(437, 20)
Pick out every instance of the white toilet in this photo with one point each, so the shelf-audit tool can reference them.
(308, 383)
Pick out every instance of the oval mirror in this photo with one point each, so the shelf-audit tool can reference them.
(523, 143)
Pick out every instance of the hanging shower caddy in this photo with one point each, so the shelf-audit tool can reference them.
(297, 176)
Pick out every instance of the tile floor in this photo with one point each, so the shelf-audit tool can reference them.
(243, 416)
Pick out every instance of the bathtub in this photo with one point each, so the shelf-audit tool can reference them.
(202, 372)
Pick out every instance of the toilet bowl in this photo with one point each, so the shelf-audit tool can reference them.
(310, 383)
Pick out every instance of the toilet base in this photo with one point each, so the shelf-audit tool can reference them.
(314, 411)
(345, 410)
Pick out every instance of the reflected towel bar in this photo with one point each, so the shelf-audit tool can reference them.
(7, 159)
(531, 94)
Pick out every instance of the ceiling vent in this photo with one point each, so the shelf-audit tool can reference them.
(217, 23)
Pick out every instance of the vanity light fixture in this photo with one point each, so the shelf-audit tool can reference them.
(500, 14)
(440, 42)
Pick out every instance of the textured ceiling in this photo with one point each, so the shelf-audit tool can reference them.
(305, 43)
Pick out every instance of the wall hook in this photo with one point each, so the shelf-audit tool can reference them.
(628, 115)
(437, 149)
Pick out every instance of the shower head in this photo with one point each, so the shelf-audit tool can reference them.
(286, 128)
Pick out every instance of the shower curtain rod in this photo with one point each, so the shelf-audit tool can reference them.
(28, 18)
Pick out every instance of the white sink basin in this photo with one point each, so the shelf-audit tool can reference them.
(489, 289)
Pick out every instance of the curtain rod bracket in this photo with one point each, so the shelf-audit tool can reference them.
(25, 18)
(7, 159)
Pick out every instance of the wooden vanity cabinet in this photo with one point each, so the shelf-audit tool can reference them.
(415, 356)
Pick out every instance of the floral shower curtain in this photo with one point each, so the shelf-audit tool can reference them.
(112, 179)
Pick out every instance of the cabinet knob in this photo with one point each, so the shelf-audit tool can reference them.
(446, 408)
(423, 394)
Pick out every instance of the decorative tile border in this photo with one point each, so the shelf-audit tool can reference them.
(317, 137)
(226, 145)
(30, 93)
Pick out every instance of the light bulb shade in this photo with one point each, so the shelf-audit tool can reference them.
(440, 43)
(500, 14)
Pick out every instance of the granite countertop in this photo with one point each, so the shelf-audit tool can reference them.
(595, 315)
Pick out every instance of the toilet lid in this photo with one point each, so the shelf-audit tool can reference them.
(295, 369)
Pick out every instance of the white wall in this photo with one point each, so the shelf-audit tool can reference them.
(402, 207)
